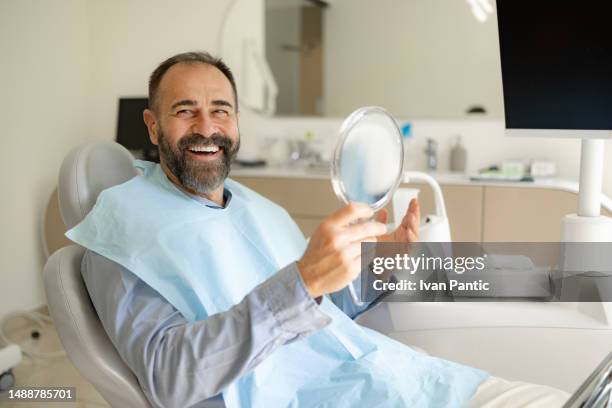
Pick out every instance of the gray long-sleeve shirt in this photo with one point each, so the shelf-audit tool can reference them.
(183, 364)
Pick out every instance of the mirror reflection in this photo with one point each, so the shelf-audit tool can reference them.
(368, 160)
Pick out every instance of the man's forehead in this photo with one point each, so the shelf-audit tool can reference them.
(193, 81)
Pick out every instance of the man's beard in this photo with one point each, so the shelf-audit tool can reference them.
(199, 176)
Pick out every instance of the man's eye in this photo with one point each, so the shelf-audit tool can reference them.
(184, 112)
(221, 112)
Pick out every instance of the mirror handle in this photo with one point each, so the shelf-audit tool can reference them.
(353, 293)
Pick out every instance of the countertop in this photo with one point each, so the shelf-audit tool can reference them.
(444, 178)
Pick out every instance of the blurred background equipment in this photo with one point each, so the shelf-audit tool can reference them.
(131, 130)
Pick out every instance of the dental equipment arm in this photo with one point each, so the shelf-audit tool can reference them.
(417, 176)
(434, 228)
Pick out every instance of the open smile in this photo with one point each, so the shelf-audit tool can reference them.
(210, 152)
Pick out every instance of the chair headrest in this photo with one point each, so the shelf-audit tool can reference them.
(85, 172)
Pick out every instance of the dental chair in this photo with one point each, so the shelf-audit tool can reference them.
(91, 168)
(85, 172)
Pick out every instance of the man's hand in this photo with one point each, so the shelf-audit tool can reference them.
(333, 257)
(408, 231)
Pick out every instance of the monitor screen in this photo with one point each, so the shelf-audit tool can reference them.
(131, 130)
(556, 60)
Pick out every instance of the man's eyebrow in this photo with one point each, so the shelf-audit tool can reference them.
(183, 102)
(222, 102)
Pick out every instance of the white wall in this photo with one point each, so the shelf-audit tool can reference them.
(44, 99)
(417, 58)
(130, 38)
(64, 65)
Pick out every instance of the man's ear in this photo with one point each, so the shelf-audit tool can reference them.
(151, 121)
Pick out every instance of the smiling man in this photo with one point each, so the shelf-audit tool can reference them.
(191, 101)
(209, 291)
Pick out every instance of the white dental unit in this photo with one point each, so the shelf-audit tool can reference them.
(552, 88)
(10, 357)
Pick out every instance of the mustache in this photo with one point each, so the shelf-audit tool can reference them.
(196, 139)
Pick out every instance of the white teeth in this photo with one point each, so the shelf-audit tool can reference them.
(207, 149)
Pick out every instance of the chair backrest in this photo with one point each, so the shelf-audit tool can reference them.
(85, 172)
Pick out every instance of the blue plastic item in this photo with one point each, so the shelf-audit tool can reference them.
(406, 130)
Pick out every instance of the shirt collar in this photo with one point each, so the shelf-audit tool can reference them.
(227, 196)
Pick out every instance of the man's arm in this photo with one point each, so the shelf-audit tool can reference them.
(407, 231)
(178, 363)
(344, 300)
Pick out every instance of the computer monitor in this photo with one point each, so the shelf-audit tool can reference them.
(556, 61)
(131, 130)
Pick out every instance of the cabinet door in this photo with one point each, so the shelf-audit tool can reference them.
(308, 201)
(515, 214)
(526, 214)
(310, 198)
(464, 208)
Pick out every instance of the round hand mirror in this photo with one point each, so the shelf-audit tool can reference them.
(368, 162)
(369, 158)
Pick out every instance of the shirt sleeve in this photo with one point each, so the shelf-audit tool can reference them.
(344, 300)
(180, 363)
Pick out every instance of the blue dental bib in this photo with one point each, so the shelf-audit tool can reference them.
(205, 260)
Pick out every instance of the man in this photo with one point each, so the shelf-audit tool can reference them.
(204, 287)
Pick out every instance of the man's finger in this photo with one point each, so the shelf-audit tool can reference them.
(413, 223)
(350, 213)
(412, 236)
(353, 250)
(382, 216)
(415, 208)
(413, 211)
(361, 231)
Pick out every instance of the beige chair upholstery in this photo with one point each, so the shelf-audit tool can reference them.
(85, 172)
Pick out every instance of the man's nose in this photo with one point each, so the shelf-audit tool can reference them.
(205, 125)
